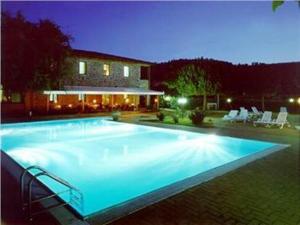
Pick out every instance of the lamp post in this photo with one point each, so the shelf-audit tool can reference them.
(229, 100)
(291, 100)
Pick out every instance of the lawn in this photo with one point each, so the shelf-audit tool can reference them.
(213, 119)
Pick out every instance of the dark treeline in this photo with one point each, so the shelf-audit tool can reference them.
(257, 79)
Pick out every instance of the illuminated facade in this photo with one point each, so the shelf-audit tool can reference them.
(99, 82)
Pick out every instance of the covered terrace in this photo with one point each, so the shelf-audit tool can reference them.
(88, 98)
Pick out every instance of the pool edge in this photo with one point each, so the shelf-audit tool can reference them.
(126, 208)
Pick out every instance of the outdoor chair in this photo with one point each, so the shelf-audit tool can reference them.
(255, 111)
(283, 109)
(281, 120)
(243, 116)
(231, 115)
(265, 120)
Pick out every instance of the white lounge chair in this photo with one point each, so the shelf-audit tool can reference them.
(255, 111)
(283, 109)
(243, 116)
(265, 120)
(231, 115)
(281, 120)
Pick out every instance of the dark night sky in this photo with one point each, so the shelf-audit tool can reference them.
(239, 32)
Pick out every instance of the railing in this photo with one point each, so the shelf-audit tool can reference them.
(75, 195)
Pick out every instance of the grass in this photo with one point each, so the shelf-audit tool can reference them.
(213, 119)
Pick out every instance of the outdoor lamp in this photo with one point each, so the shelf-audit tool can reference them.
(298, 100)
(291, 100)
(182, 101)
(228, 100)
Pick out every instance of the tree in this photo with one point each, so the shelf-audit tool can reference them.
(277, 3)
(34, 55)
(194, 81)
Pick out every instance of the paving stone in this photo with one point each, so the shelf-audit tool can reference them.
(265, 192)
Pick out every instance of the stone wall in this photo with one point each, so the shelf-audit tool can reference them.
(95, 74)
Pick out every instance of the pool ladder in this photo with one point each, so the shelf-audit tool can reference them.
(75, 195)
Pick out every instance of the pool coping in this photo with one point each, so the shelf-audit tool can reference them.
(118, 211)
(128, 207)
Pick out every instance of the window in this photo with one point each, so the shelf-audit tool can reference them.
(82, 67)
(144, 73)
(106, 70)
(126, 71)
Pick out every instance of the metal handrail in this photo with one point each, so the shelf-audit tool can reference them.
(43, 172)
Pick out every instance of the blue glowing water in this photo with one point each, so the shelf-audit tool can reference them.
(114, 162)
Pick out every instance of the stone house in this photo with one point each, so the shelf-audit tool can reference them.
(99, 82)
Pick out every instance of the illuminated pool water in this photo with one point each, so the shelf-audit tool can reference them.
(112, 163)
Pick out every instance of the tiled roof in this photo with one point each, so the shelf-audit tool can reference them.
(99, 55)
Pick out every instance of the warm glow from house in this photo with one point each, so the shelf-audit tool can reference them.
(106, 69)
(126, 71)
(53, 98)
(298, 100)
(81, 97)
(57, 106)
(228, 100)
(155, 100)
(70, 105)
(94, 101)
(126, 100)
(82, 67)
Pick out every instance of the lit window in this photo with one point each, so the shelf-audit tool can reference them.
(106, 69)
(126, 71)
(82, 67)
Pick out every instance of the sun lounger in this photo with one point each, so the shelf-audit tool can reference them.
(265, 120)
(231, 115)
(283, 109)
(243, 116)
(281, 120)
(255, 111)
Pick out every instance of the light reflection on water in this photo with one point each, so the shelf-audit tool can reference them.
(114, 162)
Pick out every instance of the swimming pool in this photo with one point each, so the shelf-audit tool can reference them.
(121, 167)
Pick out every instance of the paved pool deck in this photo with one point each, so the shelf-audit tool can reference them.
(264, 192)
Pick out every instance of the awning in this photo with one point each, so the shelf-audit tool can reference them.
(74, 90)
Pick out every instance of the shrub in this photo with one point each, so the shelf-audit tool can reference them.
(175, 118)
(116, 115)
(160, 116)
(197, 117)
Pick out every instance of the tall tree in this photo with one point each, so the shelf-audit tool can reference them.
(277, 3)
(34, 55)
(194, 81)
